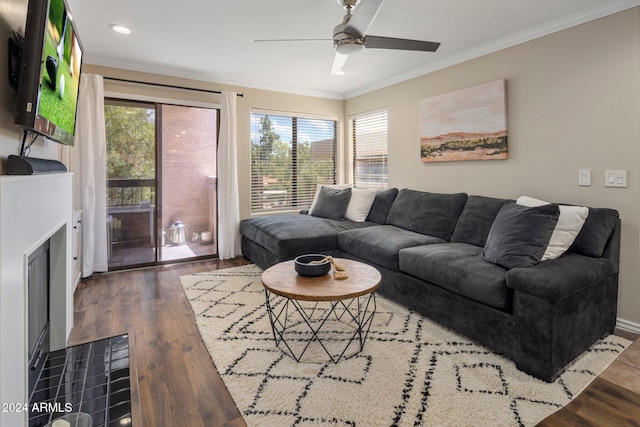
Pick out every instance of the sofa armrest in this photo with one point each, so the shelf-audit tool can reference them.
(561, 277)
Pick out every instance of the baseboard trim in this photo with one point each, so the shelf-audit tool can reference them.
(628, 326)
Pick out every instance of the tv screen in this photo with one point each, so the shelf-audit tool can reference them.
(49, 72)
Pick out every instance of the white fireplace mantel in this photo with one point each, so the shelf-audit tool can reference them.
(33, 209)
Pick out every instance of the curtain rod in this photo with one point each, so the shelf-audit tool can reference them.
(169, 86)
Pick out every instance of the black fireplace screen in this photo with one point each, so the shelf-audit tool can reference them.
(92, 378)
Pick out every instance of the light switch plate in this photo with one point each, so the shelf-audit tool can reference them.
(584, 177)
(615, 178)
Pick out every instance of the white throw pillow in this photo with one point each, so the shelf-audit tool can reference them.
(569, 224)
(318, 186)
(360, 204)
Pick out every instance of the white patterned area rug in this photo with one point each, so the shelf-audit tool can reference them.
(411, 371)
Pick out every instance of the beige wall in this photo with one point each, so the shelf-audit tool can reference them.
(573, 101)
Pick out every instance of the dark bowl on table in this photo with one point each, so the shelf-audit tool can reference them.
(305, 267)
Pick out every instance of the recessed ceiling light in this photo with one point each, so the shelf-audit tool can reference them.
(120, 29)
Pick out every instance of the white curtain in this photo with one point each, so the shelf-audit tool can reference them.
(91, 143)
(228, 200)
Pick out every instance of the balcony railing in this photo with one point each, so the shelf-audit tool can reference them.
(130, 192)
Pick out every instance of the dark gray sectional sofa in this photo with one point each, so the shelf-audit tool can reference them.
(429, 249)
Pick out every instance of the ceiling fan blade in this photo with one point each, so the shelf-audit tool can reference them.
(377, 42)
(292, 40)
(338, 62)
(363, 16)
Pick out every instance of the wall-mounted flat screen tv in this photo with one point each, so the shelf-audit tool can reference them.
(49, 75)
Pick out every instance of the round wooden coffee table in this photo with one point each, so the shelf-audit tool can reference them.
(323, 310)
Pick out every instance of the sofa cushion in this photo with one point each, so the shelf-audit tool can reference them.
(433, 214)
(595, 233)
(458, 268)
(519, 235)
(331, 203)
(476, 219)
(381, 205)
(289, 235)
(380, 244)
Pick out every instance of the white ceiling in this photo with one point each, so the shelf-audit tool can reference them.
(214, 40)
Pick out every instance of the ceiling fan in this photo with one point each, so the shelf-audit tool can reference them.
(350, 36)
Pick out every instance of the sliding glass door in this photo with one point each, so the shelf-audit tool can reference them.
(161, 179)
(131, 182)
(188, 190)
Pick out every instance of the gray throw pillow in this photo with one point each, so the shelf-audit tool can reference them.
(332, 203)
(519, 235)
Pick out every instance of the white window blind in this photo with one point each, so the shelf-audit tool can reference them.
(290, 155)
(370, 150)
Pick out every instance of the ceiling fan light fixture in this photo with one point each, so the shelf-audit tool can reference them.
(349, 46)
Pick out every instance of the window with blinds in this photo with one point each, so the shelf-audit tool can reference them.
(370, 150)
(290, 155)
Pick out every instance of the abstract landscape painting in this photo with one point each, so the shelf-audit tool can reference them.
(468, 124)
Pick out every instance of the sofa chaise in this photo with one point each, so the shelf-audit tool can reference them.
(474, 264)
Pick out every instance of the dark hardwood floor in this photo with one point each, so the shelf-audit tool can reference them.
(178, 385)
(613, 399)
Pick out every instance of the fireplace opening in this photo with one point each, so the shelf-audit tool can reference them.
(38, 285)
